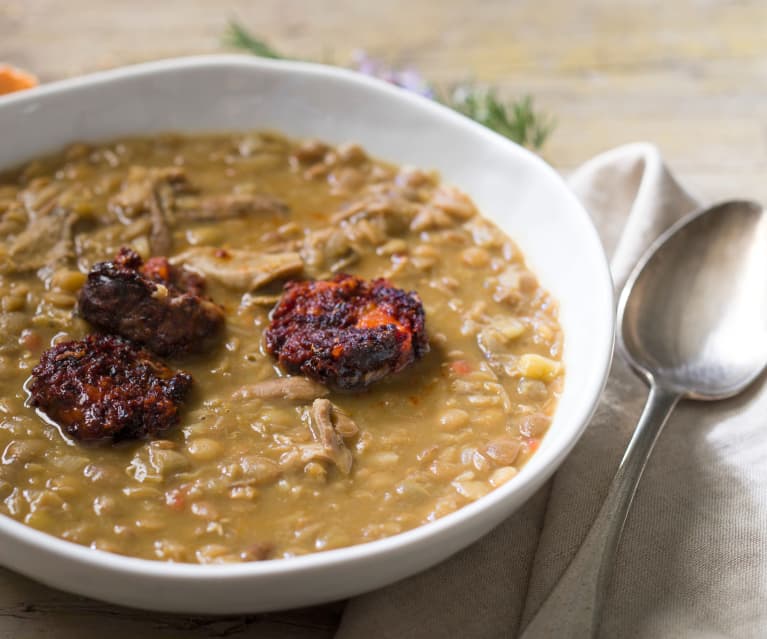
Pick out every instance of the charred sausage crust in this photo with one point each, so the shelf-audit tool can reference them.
(105, 388)
(154, 304)
(346, 332)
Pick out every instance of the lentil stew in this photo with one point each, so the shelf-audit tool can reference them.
(259, 463)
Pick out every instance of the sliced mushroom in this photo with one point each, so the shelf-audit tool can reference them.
(241, 269)
(165, 192)
(332, 447)
(140, 187)
(46, 241)
(292, 388)
(345, 425)
(221, 207)
(153, 191)
(160, 235)
(327, 248)
(40, 200)
(396, 210)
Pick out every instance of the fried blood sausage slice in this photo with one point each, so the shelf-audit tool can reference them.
(155, 304)
(346, 332)
(106, 388)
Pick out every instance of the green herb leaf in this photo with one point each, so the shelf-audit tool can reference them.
(238, 37)
(517, 120)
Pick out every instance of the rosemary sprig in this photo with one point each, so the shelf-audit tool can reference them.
(238, 37)
(517, 119)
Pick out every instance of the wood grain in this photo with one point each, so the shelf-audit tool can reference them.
(688, 75)
(29, 609)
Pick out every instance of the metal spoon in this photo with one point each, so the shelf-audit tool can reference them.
(693, 318)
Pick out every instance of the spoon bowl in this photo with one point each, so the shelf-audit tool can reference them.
(694, 310)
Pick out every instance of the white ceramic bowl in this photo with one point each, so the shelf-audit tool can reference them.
(511, 186)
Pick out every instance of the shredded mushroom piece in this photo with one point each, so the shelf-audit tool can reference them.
(141, 187)
(238, 268)
(153, 191)
(160, 237)
(292, 388)
(345, 425)
(46, 241)
(325, 434)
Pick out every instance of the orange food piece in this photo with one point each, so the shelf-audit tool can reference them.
(176, 499)
(532, 443)
(31, 340)
(374, 316)
(460, 367)
(13, 79)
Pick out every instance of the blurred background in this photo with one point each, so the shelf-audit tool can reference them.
(688, 75)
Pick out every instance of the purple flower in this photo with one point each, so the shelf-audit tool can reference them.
(405, 78)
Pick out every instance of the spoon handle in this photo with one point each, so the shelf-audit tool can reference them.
(574, 607)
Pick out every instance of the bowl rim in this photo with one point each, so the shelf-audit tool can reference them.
(542, 465)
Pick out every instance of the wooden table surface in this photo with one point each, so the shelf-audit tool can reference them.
(687, 75)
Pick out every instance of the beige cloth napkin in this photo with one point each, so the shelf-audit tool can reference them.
(693, 561)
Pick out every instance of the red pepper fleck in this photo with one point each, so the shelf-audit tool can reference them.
(31, 340)
(176, 499)
(460, 367)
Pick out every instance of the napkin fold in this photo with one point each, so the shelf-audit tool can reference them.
(693, 560)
